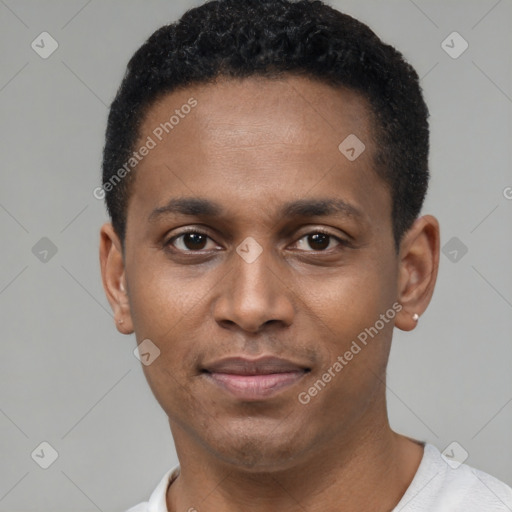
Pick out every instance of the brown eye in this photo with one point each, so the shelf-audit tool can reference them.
(190, 241)
(319, 241)
(194, 241)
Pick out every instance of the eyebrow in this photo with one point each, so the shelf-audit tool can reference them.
(200, 207)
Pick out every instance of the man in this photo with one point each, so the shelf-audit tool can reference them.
(265, 166)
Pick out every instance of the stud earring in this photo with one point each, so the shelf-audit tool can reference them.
(415, 317)
(120, 321)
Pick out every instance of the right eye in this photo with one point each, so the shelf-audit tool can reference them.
(189, 241)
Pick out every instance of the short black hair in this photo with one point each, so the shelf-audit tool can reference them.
(272, 38)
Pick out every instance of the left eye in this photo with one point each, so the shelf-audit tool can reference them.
(319, 241)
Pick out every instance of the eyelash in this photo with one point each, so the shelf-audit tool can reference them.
(341, 241)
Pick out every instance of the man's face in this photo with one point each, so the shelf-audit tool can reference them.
(252, 147)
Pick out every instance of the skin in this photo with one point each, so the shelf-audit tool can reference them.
(252, 146)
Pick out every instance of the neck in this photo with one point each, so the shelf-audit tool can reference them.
(368, 468)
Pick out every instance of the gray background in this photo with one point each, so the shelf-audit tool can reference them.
(68, 378)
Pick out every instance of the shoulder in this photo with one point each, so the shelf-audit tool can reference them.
(471, 489)
(476, 490)
(441, 485)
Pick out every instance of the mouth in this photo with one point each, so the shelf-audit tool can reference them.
(254, 379)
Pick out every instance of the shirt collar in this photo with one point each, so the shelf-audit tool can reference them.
(158, 499)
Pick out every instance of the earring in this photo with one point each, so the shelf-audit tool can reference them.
(415, 317)
(120, 321)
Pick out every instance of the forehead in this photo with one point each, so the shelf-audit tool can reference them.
(285, 108)
(254, 140)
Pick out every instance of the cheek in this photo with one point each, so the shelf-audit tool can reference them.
(161, 310)
(159, 299)
(172, 391)
(348, 301)
(352, 313)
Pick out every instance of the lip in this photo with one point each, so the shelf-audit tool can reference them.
(254, 379)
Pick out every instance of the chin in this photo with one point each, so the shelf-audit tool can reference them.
(258, 451)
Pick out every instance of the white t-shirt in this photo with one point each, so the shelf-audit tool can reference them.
(436, 487)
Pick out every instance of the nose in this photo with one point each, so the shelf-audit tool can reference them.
(254, 293)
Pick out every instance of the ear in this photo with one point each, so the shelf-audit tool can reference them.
(114, 278)
(418, 266)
